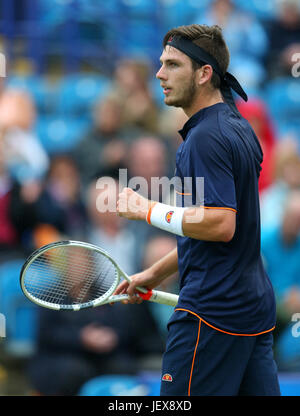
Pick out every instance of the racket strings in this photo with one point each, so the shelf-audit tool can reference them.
(69, 275)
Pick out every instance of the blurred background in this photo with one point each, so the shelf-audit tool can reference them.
(80, 101)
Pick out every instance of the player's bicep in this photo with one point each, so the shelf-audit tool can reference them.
(210, 224)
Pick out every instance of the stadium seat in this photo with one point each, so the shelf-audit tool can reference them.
(141, 28)
(157, 92)
(42, 92)
(152, 380)
(79, 92)
(51, 12)
(248, 70)
(116, 385)
(147, 45)
(148, 384)
(288, 349)
(54, 12)
(180, 12)
(20, 314)
(264, 10)
(283, 98)
(60, 134)
(289, 384)
(288, 128)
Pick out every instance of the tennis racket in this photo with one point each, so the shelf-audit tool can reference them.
(73, 275)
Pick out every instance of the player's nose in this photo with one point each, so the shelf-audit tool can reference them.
(161, 74)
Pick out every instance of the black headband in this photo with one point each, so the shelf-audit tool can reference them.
(199, 55)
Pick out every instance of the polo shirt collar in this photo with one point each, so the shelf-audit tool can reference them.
(197, 117)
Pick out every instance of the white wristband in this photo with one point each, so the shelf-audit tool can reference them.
(166, 217)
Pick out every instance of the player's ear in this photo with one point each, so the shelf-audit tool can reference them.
(204, 74)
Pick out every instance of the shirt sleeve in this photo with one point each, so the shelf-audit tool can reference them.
(210, 158)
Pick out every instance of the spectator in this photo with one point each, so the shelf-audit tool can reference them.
(256, 113)
(246, 39)
(74, 347)
(108, 230)
(244, 35)
(105, 146)
(9, 237)
(280, 249)
(60, 203)
(286, 178)
(284, 38)
(48, 211)
(25, 157)
(131, 89)
(148, 158)
(16, 211)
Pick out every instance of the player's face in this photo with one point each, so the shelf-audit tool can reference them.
(177, 78)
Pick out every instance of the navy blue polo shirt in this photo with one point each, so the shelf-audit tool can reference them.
(224, 283)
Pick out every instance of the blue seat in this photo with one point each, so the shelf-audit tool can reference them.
(248, 70)
(51, 12)
(54, 12)
(288, 128)
(289, 384)
(181, 12)
(157, 92)
(78, 93)
(149, 385)
(140, 7)
(41, 91)
(152, 380)
(60, 134)
(141, 28)
(264, 10)
(147, 45)
(283, 98)
(288, 349)
(116, 385)
(20, 314)
(90, 10)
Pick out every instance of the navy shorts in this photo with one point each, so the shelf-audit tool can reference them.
(202, 361)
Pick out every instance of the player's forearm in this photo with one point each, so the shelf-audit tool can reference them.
(165, 267)
(209, 224)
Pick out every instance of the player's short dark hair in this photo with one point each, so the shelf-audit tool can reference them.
(209, 38)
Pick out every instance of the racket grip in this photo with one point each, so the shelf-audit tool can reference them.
(160, 297)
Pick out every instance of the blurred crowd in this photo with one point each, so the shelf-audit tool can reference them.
(48, 184)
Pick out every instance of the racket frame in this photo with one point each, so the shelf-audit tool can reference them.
(106, 298)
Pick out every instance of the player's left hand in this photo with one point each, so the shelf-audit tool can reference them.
(132, 206)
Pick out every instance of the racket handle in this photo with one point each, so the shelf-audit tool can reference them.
(160, 297)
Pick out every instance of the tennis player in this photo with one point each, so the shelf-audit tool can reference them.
(220, 334)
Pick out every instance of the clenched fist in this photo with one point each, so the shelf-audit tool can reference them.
(132, 206)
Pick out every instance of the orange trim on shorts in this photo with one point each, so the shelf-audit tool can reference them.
(148, 217)
(195, 351)
(221, 330)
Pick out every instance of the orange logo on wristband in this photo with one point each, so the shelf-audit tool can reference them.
(169, 216)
